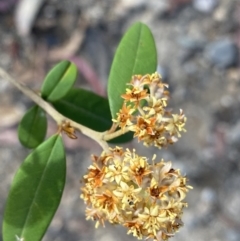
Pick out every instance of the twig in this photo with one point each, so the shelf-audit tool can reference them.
(110, 136)
(59, 118)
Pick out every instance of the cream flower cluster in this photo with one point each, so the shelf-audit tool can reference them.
(153, 123)
(123, 188)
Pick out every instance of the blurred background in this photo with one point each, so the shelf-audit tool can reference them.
(198, 45)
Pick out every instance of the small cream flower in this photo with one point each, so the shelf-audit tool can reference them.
(148, 117)
(121, 187)
(124, 116)
(127, 194)
(146, 199)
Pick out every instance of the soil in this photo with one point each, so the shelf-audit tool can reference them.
(206, 88)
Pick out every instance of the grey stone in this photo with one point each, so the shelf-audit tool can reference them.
(222, 53)
(205, 6)
(190, 43)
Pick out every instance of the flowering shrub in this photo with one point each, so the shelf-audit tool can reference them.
(121, 187)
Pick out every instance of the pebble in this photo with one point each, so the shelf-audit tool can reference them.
(227, 101)
(205, 6)
(233, 134)
(185, 56)
(132, 4)
(190, 68)
(191, 43)
(222, 53)
(190, 47)
(232, 235)
(208, 196)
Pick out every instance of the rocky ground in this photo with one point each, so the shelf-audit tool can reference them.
(198, 45)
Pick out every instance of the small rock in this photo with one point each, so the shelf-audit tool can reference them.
(126, 5)
(224, 12)
(232, 234)
(186, 55)
(227, 101)
(208, 196)
(191, 44)
(222, 53)
(190, 47)
(205, 6)
(233, 134)
(190, 68)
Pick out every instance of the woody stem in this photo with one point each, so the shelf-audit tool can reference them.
(59, 118)
(109, 136)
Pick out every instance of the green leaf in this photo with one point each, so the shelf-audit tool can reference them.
(32, 128)
(136, 54)
(59, 81)
(36, 192)
(88, 109)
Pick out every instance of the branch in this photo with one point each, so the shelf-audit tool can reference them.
(59, 118)
(109, 136)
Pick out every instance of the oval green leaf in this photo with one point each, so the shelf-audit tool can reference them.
(59, 81)
(88, 109)
(36, 192)
(33, 127)
(136, 54)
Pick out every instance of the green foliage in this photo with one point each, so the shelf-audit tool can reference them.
(39, 182)
(88, 109)
(32, 128)
(59, 81)
(136, 54)
(35, 192)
